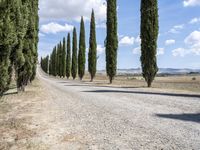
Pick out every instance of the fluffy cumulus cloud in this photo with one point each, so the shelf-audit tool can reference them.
(170, 42)
(176, 28)
(195, 20)
(179, 52)
(188, 3)
(55, 28)
(126, 40)
(72, 9)
(192, 43)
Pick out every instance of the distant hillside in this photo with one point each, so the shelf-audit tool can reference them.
(169, 71)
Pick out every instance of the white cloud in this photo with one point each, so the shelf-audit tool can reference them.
(137, 51)
(100, 49)
(179, 52)
(176, 28)
(138, 40)
(41, 34)
(170, 42)
(188, 3)
(127, 40)
(55, 28)
(193, 45)
(195, 20)
(193, 38)
(72, 9)
(160, 51)
(101, 25)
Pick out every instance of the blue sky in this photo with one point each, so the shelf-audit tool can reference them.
(179, 34)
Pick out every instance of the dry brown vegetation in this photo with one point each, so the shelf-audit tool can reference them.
(184, 83)
(16, 112)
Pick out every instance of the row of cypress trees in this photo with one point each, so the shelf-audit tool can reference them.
(18, 45)
(62, 64)
(149, 36)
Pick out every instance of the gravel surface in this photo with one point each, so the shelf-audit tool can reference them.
(80, 115)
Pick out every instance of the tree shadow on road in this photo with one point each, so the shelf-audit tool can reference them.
(10, 93)
(90, 85)
(146, 93)
(183, 117)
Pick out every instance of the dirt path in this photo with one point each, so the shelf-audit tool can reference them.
(60, 114)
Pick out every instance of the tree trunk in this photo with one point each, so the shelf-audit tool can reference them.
(91, 79)
(111, 80)
(149, 83)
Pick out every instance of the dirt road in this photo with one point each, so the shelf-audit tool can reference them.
(78, 115)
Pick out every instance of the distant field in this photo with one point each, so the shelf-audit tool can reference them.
(175, 82)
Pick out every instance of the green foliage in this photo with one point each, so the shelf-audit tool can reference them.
(63, 57)
(149, 36)
(8, 40)
(92, 55)
(81, 54)
(111, 39)
(45, 64)
(74, 55)
(18, 44)
(53, 63)
(68, 60)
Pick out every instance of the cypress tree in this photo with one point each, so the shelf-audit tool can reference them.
(27, 72)
(68, 59)
(8, 40)
(59, 60)
(111, 39)
(50, 64)
(54, 62)
(64, 58)
(74, 55)
(81, 54)
(149, 36)
(45, 64)
(18, 44)
(35, 18)
(92, 55)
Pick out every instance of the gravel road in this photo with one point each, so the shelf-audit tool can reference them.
(86, 116)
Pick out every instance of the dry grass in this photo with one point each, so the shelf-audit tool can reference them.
(15, 119)
(179, 82)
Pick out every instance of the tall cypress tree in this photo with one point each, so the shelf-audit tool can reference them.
(81, 54)
(35, 39)
(68, 59)
(7, 36)
(64, 58)
(92, 55)
(45, 64)
(54, 62)
(149, 36)
(27, 72)
(19, 36)
(111, 39)
(74, 55)
(59, 60)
